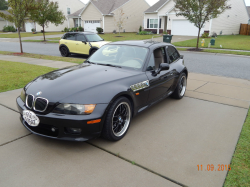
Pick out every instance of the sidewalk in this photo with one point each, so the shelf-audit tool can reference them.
(36, 61)
(166, 142)
(29, 38)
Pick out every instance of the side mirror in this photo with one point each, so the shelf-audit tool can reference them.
(182, 56)
(84, 42)
(163, 66)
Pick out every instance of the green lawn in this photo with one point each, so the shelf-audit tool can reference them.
(238, 42)
(240, 164)
(219, 51)
(27, 34)
(47, 57)
(14, 75)
(47, 41)
(113, 37)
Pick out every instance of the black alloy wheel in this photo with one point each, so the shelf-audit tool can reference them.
(117, 120)
(181, 87)
(64, 51)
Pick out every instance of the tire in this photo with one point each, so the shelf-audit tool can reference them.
(181, 87)
(64, 51)
(92, 52)
(117, 120)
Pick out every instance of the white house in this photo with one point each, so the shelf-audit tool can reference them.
(162, 17)
(101, 13)
(68, 7)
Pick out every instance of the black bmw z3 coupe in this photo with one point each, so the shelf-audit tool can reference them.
(101, 95)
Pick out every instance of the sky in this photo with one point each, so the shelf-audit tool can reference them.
(151, 2)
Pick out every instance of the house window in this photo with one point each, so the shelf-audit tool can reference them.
(153, 23)
(68, 10)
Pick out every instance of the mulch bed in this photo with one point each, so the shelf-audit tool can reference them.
(17, 54)
(194, 49)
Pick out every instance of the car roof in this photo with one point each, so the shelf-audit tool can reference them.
(81, 32)
(140, 43)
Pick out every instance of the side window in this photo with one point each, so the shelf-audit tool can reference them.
(69, 36)
(80, 37)
(173, 54)
(151, 63)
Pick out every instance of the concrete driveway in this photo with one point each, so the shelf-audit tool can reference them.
(165, 143)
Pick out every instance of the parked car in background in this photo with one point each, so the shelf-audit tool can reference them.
(85, 43)
(100, 96)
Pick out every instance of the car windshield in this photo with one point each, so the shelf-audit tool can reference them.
(93, 37)
(120, 56)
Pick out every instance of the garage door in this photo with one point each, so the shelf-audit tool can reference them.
(29, 26)
(185, 28)
(91, 25)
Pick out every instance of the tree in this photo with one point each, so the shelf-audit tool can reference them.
(47, 12)
(3, 5)
(119, 20)
(200, 11)
(19, 10)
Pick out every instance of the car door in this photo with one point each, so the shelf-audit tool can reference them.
(160, 83)
(69, 41)
(82, 45)
(173, 58)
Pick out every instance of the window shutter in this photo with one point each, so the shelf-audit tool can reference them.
(160, 24)
(148, 23)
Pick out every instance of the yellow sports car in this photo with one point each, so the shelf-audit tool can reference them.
(85, 43)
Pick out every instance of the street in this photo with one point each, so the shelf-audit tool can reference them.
(205, 63)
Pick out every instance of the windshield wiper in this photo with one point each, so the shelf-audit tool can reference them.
(86, 61)
(111, 65)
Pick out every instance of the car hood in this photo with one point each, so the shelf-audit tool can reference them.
(63, 83)
(99, 44)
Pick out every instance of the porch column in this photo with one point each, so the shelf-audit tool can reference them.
(158, 29)
(68, 23)
(78, 22)
(7, 23)
(103, 24)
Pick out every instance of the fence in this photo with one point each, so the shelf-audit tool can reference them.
(244, 29)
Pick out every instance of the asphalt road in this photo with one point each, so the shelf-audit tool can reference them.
(205, 63)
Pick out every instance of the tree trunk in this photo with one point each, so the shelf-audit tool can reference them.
(198, 39)
(43, 34)
(20, 41)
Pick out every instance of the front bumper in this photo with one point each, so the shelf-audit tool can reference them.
(54, 125)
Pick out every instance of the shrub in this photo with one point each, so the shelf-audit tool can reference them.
(80, 29)
(205, 35)
(33, 30)
(9, 29)
(140, 28)
(165, 32)
(99, 30)
(66, 29)
(144, 33)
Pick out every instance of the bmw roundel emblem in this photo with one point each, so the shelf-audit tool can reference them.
(38, 93)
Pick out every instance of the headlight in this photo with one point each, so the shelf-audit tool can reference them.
(22, 96)
(74, 109)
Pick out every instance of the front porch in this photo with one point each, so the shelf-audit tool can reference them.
(157, 25)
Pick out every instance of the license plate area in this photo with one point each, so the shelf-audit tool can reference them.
(31, 118)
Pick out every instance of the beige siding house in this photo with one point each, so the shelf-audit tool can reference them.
(101, 13)
(68, 7)
(161, 17)
(4, 22)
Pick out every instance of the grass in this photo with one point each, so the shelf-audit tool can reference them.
(240, 164)
(27, 34)
(47, 41)
(237, 42)
(112, 37)
(220, 51)
(47, 57)
(15, 75)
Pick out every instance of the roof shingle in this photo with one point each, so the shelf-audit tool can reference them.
(156, 6)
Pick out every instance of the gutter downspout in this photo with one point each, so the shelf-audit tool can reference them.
(103, 24)
(158, 28)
